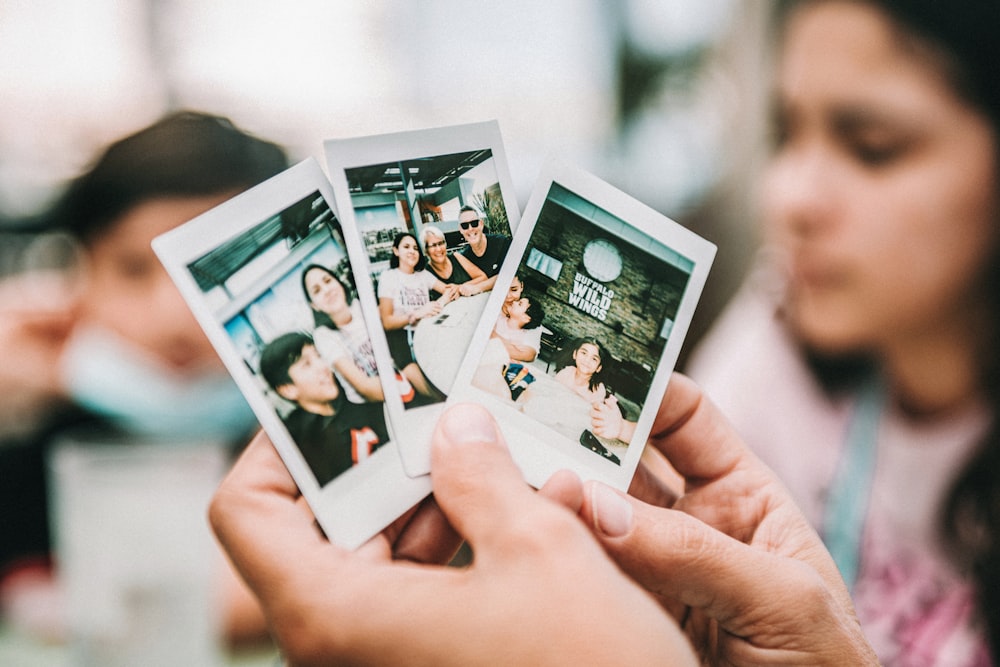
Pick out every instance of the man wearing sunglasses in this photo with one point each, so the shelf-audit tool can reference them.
(484, 250)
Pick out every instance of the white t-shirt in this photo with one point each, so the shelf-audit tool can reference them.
(350, 340)
(408, 291)
(529, 337)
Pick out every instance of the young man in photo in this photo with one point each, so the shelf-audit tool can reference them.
(332, 433)
(486, 251)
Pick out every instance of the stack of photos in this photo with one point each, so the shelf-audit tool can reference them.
(351, 309)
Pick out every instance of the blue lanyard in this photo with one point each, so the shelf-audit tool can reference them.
(847, 504)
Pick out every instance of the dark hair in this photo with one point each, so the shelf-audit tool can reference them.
(961, 40)
(535, 312)
(281, 354)
(321, 319)
(602, 352)
(467, 209)
(394, 260)
(184, 154)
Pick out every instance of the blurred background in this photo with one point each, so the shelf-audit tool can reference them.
(663, 98)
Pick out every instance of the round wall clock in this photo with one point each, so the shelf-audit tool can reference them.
(602, 260)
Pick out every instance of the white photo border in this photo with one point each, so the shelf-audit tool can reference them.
(359, 502)
(413, 427)
(538, 450)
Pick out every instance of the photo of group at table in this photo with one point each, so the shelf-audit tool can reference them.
(285, 295)
(584, 325)
(436, 232)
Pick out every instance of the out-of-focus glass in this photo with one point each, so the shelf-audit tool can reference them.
(135, 555)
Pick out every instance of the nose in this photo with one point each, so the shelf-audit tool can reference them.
(799, 192)
(180, 338)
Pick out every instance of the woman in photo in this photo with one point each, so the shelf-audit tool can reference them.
(341, 337)
(451, 269)
(404, 299)
(513, 294)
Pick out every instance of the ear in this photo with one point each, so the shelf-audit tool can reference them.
(288, 391)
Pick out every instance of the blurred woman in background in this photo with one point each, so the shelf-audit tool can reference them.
(861, 362)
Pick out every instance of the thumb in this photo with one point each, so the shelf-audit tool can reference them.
(476, 483)
(678, 557)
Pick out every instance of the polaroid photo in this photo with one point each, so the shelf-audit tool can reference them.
(269, 279)
(428, 218)
(579, 338)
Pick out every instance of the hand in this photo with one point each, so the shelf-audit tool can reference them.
(36, 316)
(734, 554)
(540, 590)
(451, 293)
(606, 420)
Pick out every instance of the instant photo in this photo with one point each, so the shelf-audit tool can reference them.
(269, 278)
(430, 215)
(584, 327)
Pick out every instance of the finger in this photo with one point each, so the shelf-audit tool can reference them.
(257, 517)
(427, 537)
(475, 480)
(693, 435)
(655, 482)
(564, 488)
(677, 557)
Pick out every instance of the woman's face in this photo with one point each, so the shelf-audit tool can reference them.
(587, 358)
(881, 192)
(408, 253)
(325, 293)
(514, 293)
(437, 249)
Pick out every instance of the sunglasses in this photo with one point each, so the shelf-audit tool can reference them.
(470, 223)
(436, 244)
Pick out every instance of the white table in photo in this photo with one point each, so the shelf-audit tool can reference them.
(440, 342)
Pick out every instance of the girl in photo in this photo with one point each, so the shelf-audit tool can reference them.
(583, 375)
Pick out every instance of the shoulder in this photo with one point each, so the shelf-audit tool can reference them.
(388, 280)
(426, 278)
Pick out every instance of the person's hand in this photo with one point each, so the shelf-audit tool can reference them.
(451, 293)
(606, 419)
(37, 313)
(540, 590)
(734, 557)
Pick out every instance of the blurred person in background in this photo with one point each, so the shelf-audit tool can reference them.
(861, 361)
(114, 344)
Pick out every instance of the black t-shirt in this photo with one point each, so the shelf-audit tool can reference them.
(458, 276)
(496, 250)
(333, 443)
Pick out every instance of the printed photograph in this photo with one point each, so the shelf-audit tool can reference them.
(271, 282)
(285, 295)
(436, 232)
(584, 324)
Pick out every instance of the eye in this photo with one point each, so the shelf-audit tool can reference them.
(878, 153)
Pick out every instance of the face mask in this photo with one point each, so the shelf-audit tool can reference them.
(110, 377)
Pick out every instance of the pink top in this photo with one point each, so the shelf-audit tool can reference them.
(914, 607)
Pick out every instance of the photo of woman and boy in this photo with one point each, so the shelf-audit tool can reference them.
(298, 325)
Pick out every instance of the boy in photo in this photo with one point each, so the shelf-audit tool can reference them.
(332, 433)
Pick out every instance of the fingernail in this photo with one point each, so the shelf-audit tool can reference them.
(612, 512)
(468, 425)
